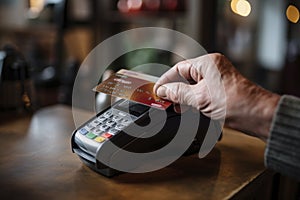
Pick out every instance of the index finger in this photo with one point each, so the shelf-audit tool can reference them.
(181, 72)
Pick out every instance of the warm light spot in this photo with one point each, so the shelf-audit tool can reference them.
(152, 4)
(122, 6)
(170, 4)
(241, 7)
(134, 4)
(36, 4)
(233, 5)
(35, 7)
(292, 13)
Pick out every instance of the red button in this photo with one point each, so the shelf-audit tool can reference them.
(107, 135)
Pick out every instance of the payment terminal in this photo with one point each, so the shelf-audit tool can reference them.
(129, 125)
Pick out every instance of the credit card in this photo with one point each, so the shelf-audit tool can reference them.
(134, 86)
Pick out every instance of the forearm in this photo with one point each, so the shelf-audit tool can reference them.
(254, 111)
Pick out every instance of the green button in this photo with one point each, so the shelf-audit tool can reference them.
(91, 135)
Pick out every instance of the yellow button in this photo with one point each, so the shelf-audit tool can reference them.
(99, 139)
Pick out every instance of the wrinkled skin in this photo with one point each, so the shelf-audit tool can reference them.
(211, 85)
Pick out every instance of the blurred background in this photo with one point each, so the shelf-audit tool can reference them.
(43, 42)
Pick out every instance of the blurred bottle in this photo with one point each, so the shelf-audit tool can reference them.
(17, 92)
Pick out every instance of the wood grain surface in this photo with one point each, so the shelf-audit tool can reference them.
(36, 162)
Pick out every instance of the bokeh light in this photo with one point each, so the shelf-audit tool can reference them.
(122, 6)
(35, 7)
(152, 4)
(233, 5)
(241, 7)
(292, 13)
(134, 4)
(129, 5)
(170, 4)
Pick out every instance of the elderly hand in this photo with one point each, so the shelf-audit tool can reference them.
(212, 85)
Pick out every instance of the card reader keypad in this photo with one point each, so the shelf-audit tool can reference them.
(107, 125)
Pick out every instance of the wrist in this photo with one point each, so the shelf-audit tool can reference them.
(255, 113)
(267, 106)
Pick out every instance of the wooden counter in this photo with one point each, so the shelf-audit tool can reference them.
(36, 162)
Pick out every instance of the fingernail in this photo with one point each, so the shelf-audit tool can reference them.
(161, 91)
(155, 88)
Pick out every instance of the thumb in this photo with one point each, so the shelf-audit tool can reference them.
(177, 92)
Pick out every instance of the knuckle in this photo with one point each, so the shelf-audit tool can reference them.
(178, 93)
(217, 57)
(203, 101)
